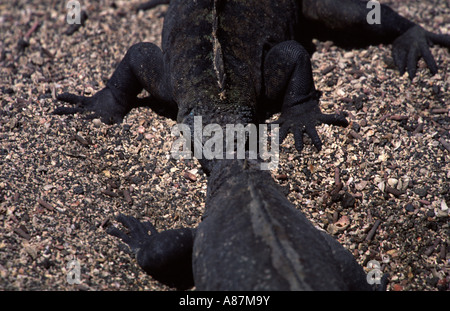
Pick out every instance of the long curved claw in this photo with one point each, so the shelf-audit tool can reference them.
(68, 110)
(73, 99)
(338, 119)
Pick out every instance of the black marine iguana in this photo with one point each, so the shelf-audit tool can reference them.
(236, 61)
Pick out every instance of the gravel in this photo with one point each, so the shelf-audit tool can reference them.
(380, 186)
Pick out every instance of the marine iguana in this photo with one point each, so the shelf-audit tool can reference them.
(234, 61)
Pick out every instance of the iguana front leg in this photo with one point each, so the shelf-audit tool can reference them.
(141, 68)
(347, 20)
(166, 256)
(288, 77)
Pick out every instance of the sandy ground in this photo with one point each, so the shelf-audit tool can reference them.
(63, 179)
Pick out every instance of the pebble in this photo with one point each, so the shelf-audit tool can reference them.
(141, 129)
(421, 192)
(347, 200)
(97, 122)
(349, 54)
(430, 213)
(444, 206)
(48, 187)
(360, 186)
(190, 176)
(281, 177)
(381, 185)
(78, 190)
(443, 211)
(340, 92)
(392, 182)
(409, 207)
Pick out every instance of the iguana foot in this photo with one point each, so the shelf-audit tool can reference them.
(103, 104)
(166, 255)
(303, 118)
(138, 234)
(413, 44)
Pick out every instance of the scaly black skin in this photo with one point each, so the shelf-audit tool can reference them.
(251, 238)
(239, 62)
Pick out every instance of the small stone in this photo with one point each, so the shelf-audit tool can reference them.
(348, 200)
(37, 59)
(377, 179)
(141, 129)
(421, 192)
(441, 213)
(31, 250)
(158, 171)
(348, 54)
(404, 184)
(360, 186)
(48, 187)
(97, 122)
(281, 177)
(409, 207)
(381, 186)
(383, 157)
(423, 171)
(190, 176)
(392, 182)
(444, 206)
(78, 190)
(400, 185)
(343, 222)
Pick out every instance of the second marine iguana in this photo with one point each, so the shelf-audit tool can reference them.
(238, 62)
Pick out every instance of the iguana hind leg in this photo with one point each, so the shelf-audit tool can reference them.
(166, 255)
